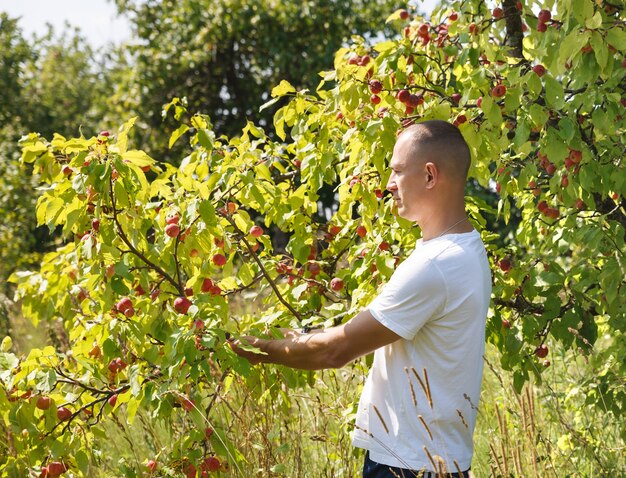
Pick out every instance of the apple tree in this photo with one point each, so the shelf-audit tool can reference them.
(156, 256)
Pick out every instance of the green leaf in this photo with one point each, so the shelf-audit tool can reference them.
(283, 88)
(616, 37)
(571, 46)
(582, 10)
(595, 21)
(178, 132)
(278, 468)
(131, 409)
(269, 103)
(122, 137)
(82, 460)
(50, 211)
(555, 95)
(600, 50)
(140, 158)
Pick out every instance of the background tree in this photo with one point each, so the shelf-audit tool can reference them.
(224, 56)
(45, 84)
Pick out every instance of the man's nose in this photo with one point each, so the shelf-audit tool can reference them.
(391, 184)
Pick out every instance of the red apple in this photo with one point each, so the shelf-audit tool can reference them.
(172, 230)
(544, 16)
(189, 470)
(211, 463)
(43, 403)
(114, 366)
(542, 27)
(95, 352)
(498, 91)
(110, 271)
(576, 156)
(334, 229)
(540, 70)
(112, 400)
(542, 206)
(414, 100)
(404, 14)
(182, 304)
(207, 284)
(375, 99)
(375, 86)
(361, 231)
(151, 465)
(187, 404)
(216, 290)
(541, 351)
(56, 468)
(403, 95)
(256, 231)
(460, 120)
(219, 260)
(505, 264)
(172, 219)
(506, 324)
(63, 414)
(552, 213)
(497, 13)
(123, 304)
(336, 284)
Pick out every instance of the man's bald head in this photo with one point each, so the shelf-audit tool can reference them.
(441, 143)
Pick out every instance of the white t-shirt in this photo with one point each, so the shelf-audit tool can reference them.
(437, 301)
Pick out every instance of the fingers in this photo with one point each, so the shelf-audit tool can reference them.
(235, 345)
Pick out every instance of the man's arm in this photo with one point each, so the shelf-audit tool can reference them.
(329, 348)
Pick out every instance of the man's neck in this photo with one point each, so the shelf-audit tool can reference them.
(450, 224)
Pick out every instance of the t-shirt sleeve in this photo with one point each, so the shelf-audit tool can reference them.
(415, 294)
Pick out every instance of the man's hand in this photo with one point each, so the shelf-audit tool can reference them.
(241, 348)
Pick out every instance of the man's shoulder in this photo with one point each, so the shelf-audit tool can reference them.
(451, 245)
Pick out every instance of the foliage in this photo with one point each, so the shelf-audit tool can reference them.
(155, 254)
(45, 85)
(224, 56)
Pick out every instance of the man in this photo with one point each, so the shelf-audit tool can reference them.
(417, 412)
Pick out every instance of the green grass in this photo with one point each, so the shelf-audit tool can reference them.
(547, 431)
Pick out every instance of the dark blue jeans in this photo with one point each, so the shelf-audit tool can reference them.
(371, 469)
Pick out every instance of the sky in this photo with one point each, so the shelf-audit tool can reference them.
(97, 19)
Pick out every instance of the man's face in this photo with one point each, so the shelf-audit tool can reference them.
(407, 180)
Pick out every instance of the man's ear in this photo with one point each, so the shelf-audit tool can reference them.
(432, 174)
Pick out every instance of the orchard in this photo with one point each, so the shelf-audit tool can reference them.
(156, 260)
